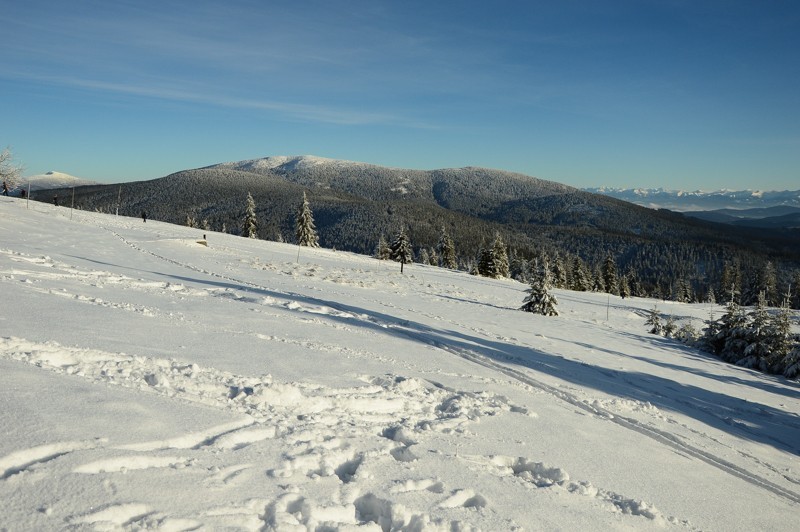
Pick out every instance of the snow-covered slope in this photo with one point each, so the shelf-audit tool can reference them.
(150, 381)
(53, 180)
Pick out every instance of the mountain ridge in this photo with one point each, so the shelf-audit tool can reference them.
(699, 200)
(357, 204)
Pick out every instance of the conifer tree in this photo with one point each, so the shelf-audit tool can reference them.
(610, 281)
(757, 336)
(306, 232)
(500, 257)
(559, 272)
(423, 257)
(250, 224)
(400, 249)
(624, 287)
(780, 328)
(654, 322)
(579, 281)
(539, 300)
(768, 282)
(730, 342)
(382, 251)
(447, 250)
(487, 265)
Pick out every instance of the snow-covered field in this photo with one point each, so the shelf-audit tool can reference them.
(151, 382)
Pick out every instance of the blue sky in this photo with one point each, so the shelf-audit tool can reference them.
(649, 93)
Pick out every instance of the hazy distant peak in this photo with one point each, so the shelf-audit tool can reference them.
(681, 200)
(53, 179)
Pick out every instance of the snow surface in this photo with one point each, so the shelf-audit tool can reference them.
(152, 382)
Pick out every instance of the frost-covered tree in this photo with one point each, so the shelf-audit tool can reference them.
(305, 231)
(757, 336)
(190, 221)
(731, 338)
(423, 257)
(9, 171)
(539, 300)
(654, 322)
(250, 224)
(500, 257)
(382, 251)
(609, 272)
(670, 327)
(433, 257)
(400, 250)
(447, 250)
(624, 286)
(780, 328)
(559, 272)
(578, 278)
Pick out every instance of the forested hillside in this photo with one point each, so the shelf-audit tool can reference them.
(355, 204)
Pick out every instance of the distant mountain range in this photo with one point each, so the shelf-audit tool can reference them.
(769, 210)
(681, 201)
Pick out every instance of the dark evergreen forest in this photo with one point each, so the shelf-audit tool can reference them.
(658, 253)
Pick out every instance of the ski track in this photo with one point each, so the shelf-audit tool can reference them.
(629, 423)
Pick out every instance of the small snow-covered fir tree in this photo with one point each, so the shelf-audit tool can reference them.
(306, 232)
(559, 273)
(654, 322)
(757, 336)
(400, 250)
(382, 251)
(539, 300)
(500, 257)
(447, 250)
(250, 224)
(780, 328)
(731, 338)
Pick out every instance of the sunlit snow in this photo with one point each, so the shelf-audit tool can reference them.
(152, 382)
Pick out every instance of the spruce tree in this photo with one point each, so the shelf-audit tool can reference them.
(382, 251)
(780, 328)
(500, 257)
(400, 249)
(250, 224)
(559, 273)
(306, 232)
(579, 281)
(757, 336)
(539, 300)
(610, 275)
(487, 265)
(447, 250)
(654, 322)
(731, 342)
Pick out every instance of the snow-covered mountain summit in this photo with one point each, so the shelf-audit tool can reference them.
(54, 180)
(288, 163)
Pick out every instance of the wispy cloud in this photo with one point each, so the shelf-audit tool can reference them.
(289, 110)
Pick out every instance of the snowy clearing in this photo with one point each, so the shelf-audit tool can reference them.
(150, 382)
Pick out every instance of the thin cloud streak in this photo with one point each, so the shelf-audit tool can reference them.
(297, 111)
